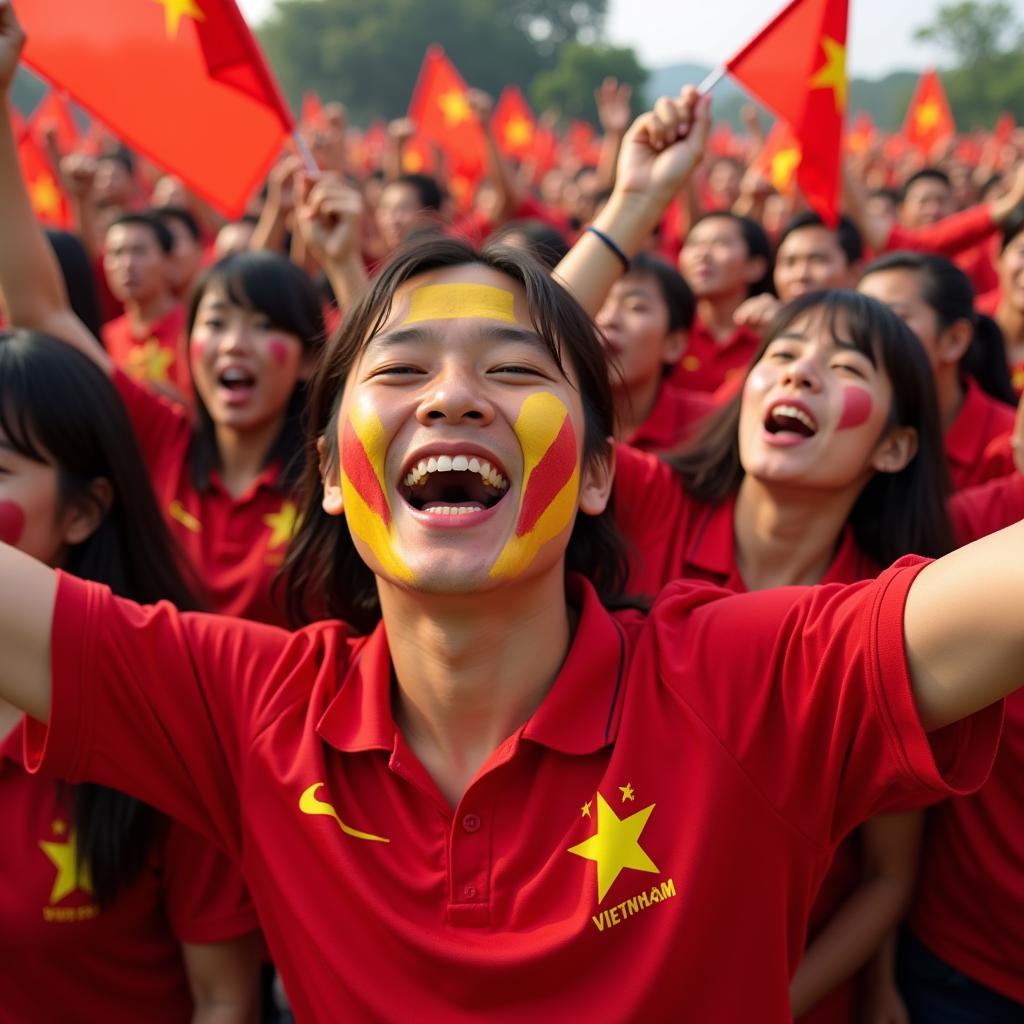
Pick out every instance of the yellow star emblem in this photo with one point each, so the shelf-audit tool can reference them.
(175, 10)
(518, 132)
(44, 197)
(283, 524)
(784, 165)
(832, 74)
(615, 845)
(585, 809)
(454, 106)
(150, 361)
(65, 859)
(412, 163)
(927, 115)
(180, 514)
(627, 792)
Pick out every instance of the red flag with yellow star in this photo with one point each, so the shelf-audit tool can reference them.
(861, 136)
(796, 65)
(181, 81)
(513, 124)
(54, 114)
(780, 157)
(45, 192)
(440, 110)
(929, 120)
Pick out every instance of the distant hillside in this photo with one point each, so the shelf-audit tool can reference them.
(884, 99)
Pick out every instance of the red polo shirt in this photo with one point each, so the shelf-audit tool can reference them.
(672, 536)
(978, 511)
(642, 841)
(235, 544)
(675, 418)
(66, 958)
(708, 363)
(155, 356)
(969, 908)
(976, 448)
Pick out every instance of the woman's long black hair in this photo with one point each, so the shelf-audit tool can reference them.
(322, 567)
(272, 285)
(897, 513)
(57, 407)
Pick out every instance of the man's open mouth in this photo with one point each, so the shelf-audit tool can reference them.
(453, 485)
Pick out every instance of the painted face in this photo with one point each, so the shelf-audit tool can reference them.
(808, 259)
(814, 410)
(459, 439)
(244, 369)
(30, 518)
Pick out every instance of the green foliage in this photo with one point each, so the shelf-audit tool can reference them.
(987, 74)
(569, 87)
(368, 55)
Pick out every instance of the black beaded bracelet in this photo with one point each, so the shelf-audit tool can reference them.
(611, 245)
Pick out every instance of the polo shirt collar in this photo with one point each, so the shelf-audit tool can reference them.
(268, 479)
(579, 715)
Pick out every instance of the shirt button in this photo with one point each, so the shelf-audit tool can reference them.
(471, 823)
(469, 892)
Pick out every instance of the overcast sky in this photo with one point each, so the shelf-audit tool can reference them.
(708, 31)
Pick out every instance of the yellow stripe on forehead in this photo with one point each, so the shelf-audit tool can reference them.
(459, 301)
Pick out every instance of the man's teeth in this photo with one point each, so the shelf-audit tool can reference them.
(451, 510)
(455, 464)
(796, 414)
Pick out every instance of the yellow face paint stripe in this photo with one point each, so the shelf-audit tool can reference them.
(459, 301)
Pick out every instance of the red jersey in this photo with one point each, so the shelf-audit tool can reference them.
(235, 544)
(675, 418)
(65, 957)
(978, 511)
(976, 443)
(708, 363)
(969, 908)
(673, 536)
(671, 805)
(156, 355)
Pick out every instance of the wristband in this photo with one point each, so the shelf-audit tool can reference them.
(611, 245)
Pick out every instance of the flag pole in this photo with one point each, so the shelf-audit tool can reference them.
(711, 79)
(312, 170)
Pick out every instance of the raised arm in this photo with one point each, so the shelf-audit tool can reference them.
(30, 277)
(659, 152)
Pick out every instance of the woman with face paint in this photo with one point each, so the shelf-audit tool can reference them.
(489, 793)
(934, 298)
(225, 481)
(145, 919)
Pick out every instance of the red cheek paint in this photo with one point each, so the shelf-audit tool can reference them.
(356, 465)
(196, 350)
(857, 406)
(12, 522)
(278, 349)
(549, 476)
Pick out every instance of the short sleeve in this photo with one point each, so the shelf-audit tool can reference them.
(204, 895)
(156, 703)
(809, 691)
(159, 424)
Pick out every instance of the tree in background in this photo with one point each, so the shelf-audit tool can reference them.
(569, 87)
(987, 77)
(367, 55)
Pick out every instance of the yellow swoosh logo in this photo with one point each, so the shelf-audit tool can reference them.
(309, 804)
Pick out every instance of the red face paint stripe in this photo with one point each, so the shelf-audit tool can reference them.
(355, 464)
(12, 522)
(549, 476)
(856, 408)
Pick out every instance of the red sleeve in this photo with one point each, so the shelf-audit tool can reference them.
(978, 511)
(205, 897)
(949, 236)
(160, 704)
(809, 690)
(159, 424)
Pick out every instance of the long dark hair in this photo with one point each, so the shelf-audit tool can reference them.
(322, 565)
(267, 283)
(950, 294)
(58, 408)
(896, 513)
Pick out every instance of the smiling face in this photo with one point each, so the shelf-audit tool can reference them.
(245, 369)
(460, 440)
(815, 410)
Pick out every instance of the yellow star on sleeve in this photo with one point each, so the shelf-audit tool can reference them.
(832, 74)
(64, 857)
(454, 106)
(283, 524)
(627, 792)
(615, 845)
(175, 10)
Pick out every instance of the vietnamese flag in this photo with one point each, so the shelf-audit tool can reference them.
(181, 81)
(780, 157)
(929, 120)
(861, 136)
(796, 65)
(513, 124)
(1005, 127)
(440, 110)
(45, 193)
